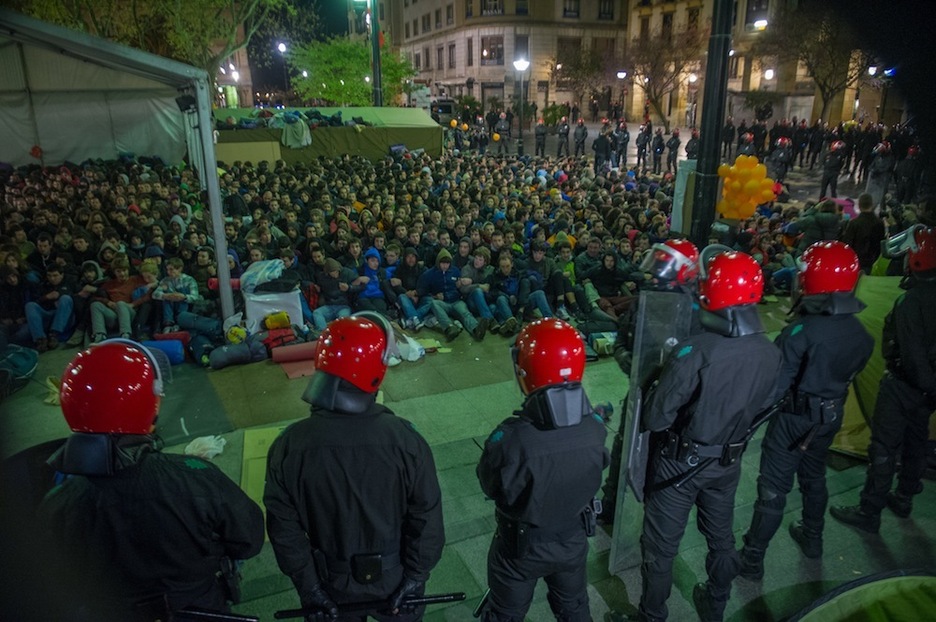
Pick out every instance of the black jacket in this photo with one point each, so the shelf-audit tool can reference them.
(353, 484)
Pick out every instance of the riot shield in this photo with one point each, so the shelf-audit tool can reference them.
(663, 319)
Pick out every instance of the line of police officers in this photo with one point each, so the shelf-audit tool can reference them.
(353, 504)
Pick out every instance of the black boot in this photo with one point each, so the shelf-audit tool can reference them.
(810, 544)
(752, 564)
(855, 516)
(900, 504)
(708, 609)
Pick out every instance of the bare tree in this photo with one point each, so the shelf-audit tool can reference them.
(578, 69)
(660, 64)
(813, 34)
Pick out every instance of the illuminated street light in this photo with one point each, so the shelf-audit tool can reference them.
(621, 75)
(521, 65)
(872, 70)
(760, 24)
(235, 75)
(305, 74)
(693, 78)
(731, 52)
(282, 48)
(769, 74)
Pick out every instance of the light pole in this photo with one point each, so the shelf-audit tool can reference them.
(282, 50)
(620, 76)
(521, 65)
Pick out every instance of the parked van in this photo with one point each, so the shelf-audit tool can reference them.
(443, 111)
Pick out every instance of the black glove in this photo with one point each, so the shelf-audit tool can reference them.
(408, 587)
(319, 599)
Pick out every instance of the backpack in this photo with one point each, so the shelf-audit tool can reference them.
(17, 366)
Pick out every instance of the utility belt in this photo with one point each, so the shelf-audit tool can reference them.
(684, 449)
(519, 536)
(365, 568)
(820, 410)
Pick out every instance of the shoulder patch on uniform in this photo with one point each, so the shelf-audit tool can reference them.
(684, 351)
(192, 463)
(796, 329)
(496, 436)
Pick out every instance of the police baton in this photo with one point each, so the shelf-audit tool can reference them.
(375, 605)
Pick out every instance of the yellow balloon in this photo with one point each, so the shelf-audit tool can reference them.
(724, 170)
(464, 127)
(767, 184)
(767, 196)
(495, 136)
(736, 186)
(743, 175)
(752, 187)
(760, 172)
(453, 123)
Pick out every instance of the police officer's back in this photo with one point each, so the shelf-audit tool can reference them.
(542, 469)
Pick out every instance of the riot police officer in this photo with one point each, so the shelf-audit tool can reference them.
(746, 144)
(673, 150)
(354, 510)
(155, 527)
(580, 134)
(539, 134)
(831, 169)
(907, 393)
(692, 146)
(502, 128)
(642, 142)
(823, 350)
(563, 132)
(710, 389)
(542, 468)
(658, 146)
(621, 137)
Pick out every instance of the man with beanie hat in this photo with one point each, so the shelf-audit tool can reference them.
(441, 283)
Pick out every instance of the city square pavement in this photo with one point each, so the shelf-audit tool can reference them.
(455, 399)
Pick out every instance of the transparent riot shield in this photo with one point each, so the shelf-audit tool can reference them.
(663, 319)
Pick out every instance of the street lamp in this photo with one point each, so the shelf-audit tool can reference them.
(620, 76)
(521, 65)
(282, 50)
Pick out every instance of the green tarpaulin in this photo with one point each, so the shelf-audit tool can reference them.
(907, 596)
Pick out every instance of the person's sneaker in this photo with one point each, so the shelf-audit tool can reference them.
(42, 345)
(452, 332)
(480, 330)
(76, 339)
(53, 342)
(509, 327)
(810, 545)
(856, 517)
(899, 504)
(431, 322)
(493, 327)
(126, 336)
(752, 565)
(167, 328)
(176, 328)
(704, 606)
(98, 338)
(562, 313)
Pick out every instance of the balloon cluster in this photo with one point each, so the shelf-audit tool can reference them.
(745, 186)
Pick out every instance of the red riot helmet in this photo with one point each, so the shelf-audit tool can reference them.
(882, 147)
(112, 388)
(913, 151)
(837, 145)
(828, 267)
(673, 260)
(747, 137)
(695, 133)
(783, 141)
(923, 257)
(730, 279)
(548, 352)
(675, 131)
(356, 349)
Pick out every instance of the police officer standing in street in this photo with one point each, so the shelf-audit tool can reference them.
(580, 134)
(354, 510)
(710, 389)
(539, 133)
(823, 350)
(907, 393)
(161, 530)
(542, 468)
(563, 132)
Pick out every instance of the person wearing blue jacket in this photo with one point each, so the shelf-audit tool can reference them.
(441, 283)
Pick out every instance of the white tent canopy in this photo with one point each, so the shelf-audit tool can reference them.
(79, 97)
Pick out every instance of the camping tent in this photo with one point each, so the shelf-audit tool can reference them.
(68, 96)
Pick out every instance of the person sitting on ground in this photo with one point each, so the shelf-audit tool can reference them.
(50, 316)
(113, 306)
(178, 292)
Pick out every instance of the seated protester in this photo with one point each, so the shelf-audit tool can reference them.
(511, 296)
(177, 292)
(40, 259)
(88, 283)
(113, 306)
(256, 254)
(299, 273)
(445, 241)
(316, 260)
(566, 266)
(613, 284)
(556, 285)
(13, 326)
(371, 279)
(473, 286)
(81, 250)
(149, 313)
(402, 287)
(203, 270)
(441, 283)
(136, 248)
(234, 239)
(50, 315)
(430, 247)
(462, 255)
(353, 257)
(512, 244)
(335, 292)
(106, 254)
(187, 250)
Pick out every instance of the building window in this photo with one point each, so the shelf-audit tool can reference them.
(380, 12)
(469, 8)
(417, 65)
(492, 7)
(733, 66)
(667, 31)
(407, 30)
(426, 23)
(756, 10)
(426, 56)
(450, 14)
(692, 23)
(570, 8)
(451, 56)
(405, 2)
(492, 50)
(440, 57)
(438, 16)
(523, 7)
(606, 9)
(469, 61)
(522, 46)
(415, 27)
(644, 28)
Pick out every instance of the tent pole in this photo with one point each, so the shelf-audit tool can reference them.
(209, 177)
(32, 109)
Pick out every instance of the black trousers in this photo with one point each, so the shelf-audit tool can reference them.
(666, 513)
(657, 162)
(541, 147)
(563, 146)
(579, 148)
(901, 420)
(560, 564)
(781, 460)
(829, 181)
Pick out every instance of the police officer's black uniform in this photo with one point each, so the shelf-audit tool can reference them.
(709, 392)
(539, 133)
(831, 169)
(151, 524)
(906, 399)
(580, 134)
(541, 481)
(353, 505)
(563, 132)
(822, 351)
